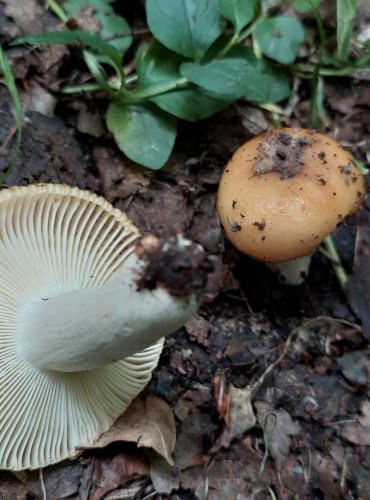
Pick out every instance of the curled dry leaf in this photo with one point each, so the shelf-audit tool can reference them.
(149, 423)
(234, 406)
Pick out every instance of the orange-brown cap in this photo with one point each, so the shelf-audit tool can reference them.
(284, 191)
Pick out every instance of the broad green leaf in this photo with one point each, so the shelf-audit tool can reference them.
(279, 38)
(193, 103)
(277, 80)
(233, 77)
(346, 12)
(112, 25)
(303, 6)
(145, 133)
(188, 27)
(238, 12)
(160, 65)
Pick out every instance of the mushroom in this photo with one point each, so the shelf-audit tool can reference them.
(78, 338)
(283, 192)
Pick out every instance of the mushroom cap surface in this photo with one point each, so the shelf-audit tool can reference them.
(54, 238)
(284, 191)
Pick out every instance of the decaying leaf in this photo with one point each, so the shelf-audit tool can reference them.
(198, 329)
(280, 433)
(148, 423)
(28, 18)
(241, 416)
(359, 432)
(107, 473)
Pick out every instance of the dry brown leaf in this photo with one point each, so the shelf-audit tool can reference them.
(198, 328)
(359, 432)
(283, 427)
(108, 473)
(241, 416)
(28, 16)
(148, 423)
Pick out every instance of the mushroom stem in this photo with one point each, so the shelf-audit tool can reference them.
(291, 272)
(92, 327)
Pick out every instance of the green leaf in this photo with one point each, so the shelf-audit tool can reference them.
(188, 27)
(279, 38)
(238, 12)
(12, 88)
(160, 65)
(303, 6)
(192, 104)
(112, 25)
(145, 133)
(277, 79)
(233, 77)
(346, 12)
(65, 37)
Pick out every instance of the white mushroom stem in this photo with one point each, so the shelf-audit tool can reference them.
(291, 272)
(93, 327)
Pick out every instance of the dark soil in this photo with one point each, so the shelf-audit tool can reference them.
(299, 430)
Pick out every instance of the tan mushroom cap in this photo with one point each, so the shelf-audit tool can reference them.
(284, 191)
(53, 239)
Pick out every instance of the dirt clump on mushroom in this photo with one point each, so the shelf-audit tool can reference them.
(177, 264)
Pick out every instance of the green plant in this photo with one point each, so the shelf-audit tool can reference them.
(10, 83)
(204, 55)
(348, 57)
(196, 65)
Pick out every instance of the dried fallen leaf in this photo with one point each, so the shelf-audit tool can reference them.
(280, 434)
(148, 423)
(108, 473)
(359, 432)
(198, 328)
(28, 18)
(240, 416)
(37, 98)
(355, 366)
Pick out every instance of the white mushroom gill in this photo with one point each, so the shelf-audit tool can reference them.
(65, 304)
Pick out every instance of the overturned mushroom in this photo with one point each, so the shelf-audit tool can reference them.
(283, 192)
(79, 337)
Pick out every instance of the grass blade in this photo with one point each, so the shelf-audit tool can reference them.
(346, 12)
(12, 88)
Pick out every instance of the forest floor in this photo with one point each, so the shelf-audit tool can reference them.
(269, 384)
